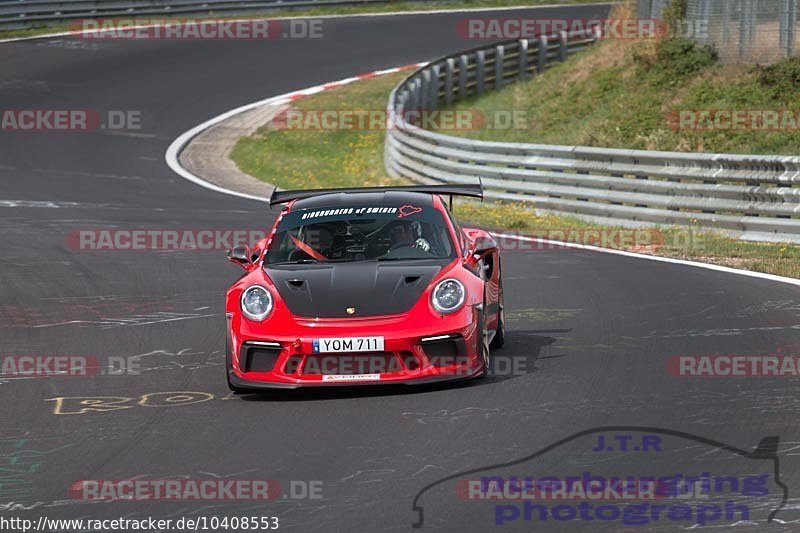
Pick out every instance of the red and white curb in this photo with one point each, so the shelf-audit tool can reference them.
(174, 150)
(178, 144)
(291, 97)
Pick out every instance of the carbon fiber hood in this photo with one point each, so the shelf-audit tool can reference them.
(372, 288)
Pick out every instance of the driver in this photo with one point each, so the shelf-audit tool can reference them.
(403, 235)
(317, 243)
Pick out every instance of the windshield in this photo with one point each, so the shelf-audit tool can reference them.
(360, 233)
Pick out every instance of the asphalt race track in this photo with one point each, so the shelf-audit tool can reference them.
(591, 332)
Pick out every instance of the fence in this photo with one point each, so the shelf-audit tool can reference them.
(756, 197)
(17, 14)
(743, 31)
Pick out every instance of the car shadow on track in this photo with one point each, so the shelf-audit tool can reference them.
(516, 359)
(523, 348)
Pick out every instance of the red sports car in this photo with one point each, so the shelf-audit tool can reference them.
(364, 286)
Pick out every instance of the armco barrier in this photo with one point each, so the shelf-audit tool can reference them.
(17, 14)
(754, 197)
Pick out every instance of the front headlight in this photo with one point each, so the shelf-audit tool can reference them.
(256, 303)
(448, 296)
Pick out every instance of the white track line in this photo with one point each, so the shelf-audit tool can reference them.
(255, 17)
(707, 266)
(183, 139)
(178, 144)
(174, 150)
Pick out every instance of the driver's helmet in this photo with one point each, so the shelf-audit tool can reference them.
(402, 232)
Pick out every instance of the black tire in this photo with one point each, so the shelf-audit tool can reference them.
(500, 333)
(483, 341)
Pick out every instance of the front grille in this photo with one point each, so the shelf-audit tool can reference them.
(446, 352)
(255, 358)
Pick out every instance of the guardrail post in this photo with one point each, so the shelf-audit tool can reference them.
(434, 88)
(463, 70)
(411, 102)
(542, 56)
(425, 89)
(400, 101)
(480, 63)
(499, 65)
(562, 46)
(523, 59)
(448, 80)
(597, 33)
(395, 111)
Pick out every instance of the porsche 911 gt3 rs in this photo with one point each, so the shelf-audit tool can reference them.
(364, 286)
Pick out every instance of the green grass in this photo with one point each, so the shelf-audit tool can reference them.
(297, 159)
(343, 158)
(619, 94)
(389, 6)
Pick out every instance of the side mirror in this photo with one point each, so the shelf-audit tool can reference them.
(240, 255)
(484, 246)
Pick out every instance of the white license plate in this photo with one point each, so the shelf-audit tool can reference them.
(351, 377)
(347, 344)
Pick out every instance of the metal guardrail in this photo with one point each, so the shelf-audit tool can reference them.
(754, 197)
(18, 14)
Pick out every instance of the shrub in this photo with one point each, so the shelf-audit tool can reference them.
(782, 78)
(674, 60)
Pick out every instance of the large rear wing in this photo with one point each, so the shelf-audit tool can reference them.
(475, 191)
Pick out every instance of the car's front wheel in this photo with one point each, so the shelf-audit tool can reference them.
(500, 333)
(499, 338)
(483, 340)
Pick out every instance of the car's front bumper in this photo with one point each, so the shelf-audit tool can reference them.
(446, 349)
(243, 383)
